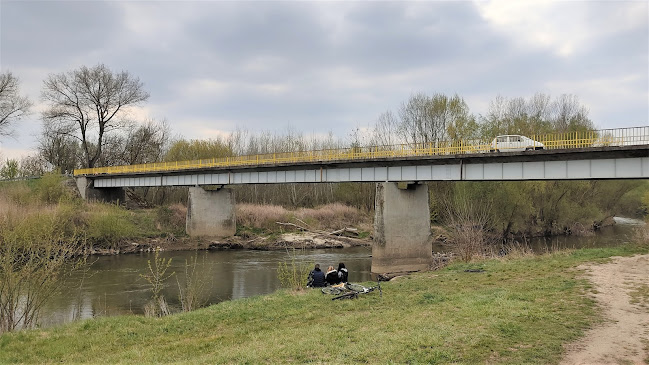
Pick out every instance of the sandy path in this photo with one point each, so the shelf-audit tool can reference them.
(624, 336)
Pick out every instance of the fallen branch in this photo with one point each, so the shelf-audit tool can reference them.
(294, 225)
(338, 232)
(344, 231)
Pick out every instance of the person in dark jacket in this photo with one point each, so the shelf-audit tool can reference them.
(316, 278)
(342, 273)
(332, 276)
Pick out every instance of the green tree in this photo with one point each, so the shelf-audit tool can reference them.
(10, 170)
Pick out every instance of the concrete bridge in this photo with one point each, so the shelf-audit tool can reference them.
(402, 237)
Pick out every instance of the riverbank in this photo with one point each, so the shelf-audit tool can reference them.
(298, 240)
(513, 310)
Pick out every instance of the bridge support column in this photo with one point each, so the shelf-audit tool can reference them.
(211, 212)
(89, 192)
(402, 236)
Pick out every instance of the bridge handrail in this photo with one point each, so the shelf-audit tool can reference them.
(581, 139)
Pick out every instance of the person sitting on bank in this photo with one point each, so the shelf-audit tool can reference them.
(332, 276)
(342, 273)
(316, 278)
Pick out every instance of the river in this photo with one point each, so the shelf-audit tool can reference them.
(112, 285)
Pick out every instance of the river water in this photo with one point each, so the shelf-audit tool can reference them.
(112, 285)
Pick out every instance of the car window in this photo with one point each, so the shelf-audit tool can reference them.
(501, 139)
(515, 139)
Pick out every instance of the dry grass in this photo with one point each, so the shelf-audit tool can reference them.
(325, 217)
(261, 216)
(641, 234)
(332, 216)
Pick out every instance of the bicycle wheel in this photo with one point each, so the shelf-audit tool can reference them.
(350, 295)
(355, 287)
(331, 290)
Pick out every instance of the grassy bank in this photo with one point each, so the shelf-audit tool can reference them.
(108, 228)
(516, 311)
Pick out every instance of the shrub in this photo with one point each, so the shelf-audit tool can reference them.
(37, 249)
(292, 273)
(51, 188)
(156, 277)
(108, 224)
(191, 291)
(171, 218)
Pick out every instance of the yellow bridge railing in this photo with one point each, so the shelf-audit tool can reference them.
(599, 138)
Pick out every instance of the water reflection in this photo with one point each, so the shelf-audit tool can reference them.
(112, 285)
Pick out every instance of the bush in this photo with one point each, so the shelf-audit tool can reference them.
(51, 189)
(293, 274)
(37, 248)
(171, 218)
(109, 224)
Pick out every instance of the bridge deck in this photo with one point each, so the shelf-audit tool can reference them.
(438, 152)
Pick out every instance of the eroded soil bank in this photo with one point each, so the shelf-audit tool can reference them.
(282, 241)
(621, 288)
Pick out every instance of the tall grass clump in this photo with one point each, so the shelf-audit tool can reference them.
(38, 248)
(325, 217)
(293, 273)
(332, 216)
(264, 217)
(641, 235)
(16, 192)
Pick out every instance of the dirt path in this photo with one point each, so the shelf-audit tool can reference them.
(621, 287)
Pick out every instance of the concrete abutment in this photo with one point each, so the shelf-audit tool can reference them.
(108, 195)
(402, 236)
(211, 212)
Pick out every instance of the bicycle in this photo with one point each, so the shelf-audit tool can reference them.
(353, 290)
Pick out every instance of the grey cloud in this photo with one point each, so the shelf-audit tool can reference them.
(34, 33)
(342, 63)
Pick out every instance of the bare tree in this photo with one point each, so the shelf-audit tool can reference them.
(138, 144)
(385, 130)
(13, 107)
(425, 119)
(570, 115)
(61, 151)
(88, 104)
(468, 221)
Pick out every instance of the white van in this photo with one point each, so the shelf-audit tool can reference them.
(515, 143)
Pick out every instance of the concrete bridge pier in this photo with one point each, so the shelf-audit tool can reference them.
(108, 195)
(402, 236)
(211, 212)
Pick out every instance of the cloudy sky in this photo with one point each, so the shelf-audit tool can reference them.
(317, 67)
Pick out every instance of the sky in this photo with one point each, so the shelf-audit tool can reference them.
(318, 67)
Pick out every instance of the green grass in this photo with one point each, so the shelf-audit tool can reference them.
(519, 311)
(640, 295)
